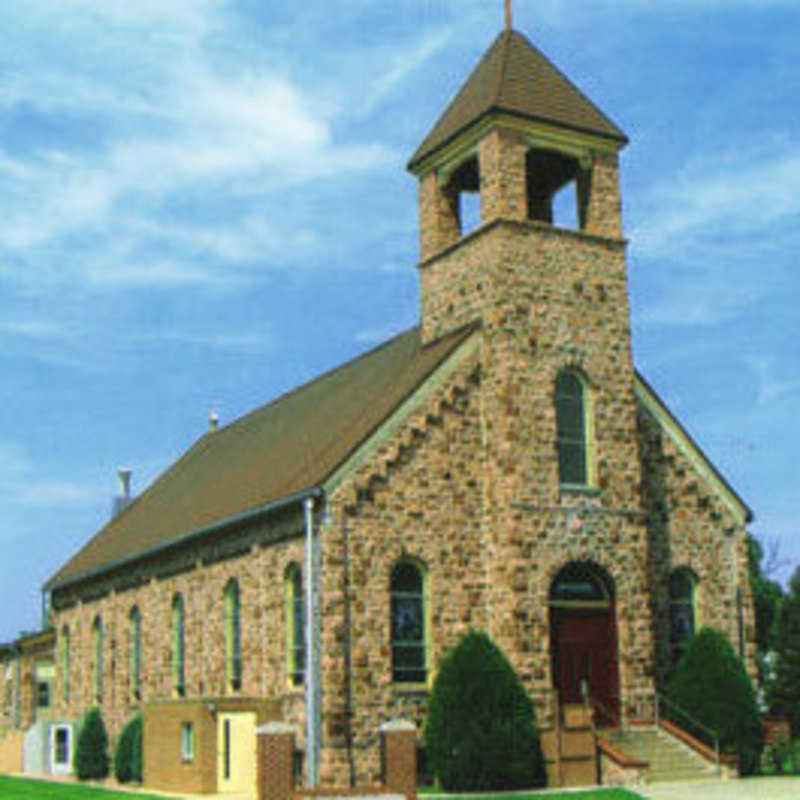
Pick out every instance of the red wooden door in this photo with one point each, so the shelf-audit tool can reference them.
(585, 650)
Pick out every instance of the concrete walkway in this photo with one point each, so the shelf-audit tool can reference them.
(743, 789)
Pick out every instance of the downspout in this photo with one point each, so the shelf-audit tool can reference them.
(312, 679)
(18, 688)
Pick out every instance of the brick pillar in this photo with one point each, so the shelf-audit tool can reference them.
(439, 225)
(504, 195)
(399, 757)
(275, 761)
(603, 206)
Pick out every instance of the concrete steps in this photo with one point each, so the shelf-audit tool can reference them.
(669, 759)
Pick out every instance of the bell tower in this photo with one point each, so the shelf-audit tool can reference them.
(517, 135)
(542, 272)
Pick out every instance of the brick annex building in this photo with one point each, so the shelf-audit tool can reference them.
(502, 466)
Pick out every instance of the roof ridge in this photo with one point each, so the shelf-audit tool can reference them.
(501, 73)
(574, 85)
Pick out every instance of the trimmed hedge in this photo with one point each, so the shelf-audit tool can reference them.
(128, 757)
(91, 752)
(711, 684)
(480, 730)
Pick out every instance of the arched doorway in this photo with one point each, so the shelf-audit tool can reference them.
(583, 640)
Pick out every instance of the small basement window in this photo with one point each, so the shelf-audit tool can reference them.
(187, 741)
(42, 694)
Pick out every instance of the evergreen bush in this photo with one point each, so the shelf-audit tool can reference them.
(127, 754)
(136, 752)
(784, 694)
(91, 752)
(711, 684)
(480, 730)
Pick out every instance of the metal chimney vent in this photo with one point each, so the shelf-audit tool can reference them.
(123, 499)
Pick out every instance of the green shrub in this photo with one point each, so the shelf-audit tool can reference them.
(136, 753)
(480, 730)
(710, 683)
(128, 757)
(91, 752)
(784, 692)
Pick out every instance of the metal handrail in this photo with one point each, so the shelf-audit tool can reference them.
(694, 721)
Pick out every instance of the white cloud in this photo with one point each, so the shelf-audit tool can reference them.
(31, 329)
(403, 61)
(162, 120)
(18, 485)
(772, 385)
(163, 273)
(241, 341)
(733, 194)
(55, 494)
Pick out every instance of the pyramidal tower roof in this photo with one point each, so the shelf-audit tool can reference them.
(515, 78)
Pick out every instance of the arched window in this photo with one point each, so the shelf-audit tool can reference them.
(572, 434)
(135, 653)
(65, 662)
(295, 625)
(409, 653)
(178, 646)
(97, 633)
(682, 583)
(233, 636)
(581, 584)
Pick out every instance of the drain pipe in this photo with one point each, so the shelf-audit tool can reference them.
(312, 678)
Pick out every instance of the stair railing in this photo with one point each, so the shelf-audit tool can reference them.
(660, 698)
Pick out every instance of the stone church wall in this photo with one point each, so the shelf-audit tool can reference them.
(260, 573)
(691, 526)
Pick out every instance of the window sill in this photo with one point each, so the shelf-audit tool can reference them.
(580, 488)
(410, 688)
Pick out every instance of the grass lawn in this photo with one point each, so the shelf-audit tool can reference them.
(23, 788)
(591, 794)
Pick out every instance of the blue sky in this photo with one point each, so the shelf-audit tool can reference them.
(203, 203)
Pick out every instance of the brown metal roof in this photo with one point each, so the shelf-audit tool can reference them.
(516, 78)
(281, 449)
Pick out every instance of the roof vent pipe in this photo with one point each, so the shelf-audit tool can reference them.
(213, 422)
(123, 499)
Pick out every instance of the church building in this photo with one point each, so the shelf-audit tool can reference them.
(502, 466)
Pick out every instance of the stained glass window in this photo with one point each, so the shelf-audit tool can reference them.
(233, 636)
(135, 650)
(681, 611)
(65, 662)
(408, 624)
(97, 630)
(178, 646)
(571, 429)
(295, 625)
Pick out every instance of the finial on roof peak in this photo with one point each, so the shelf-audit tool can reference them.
(508, 15)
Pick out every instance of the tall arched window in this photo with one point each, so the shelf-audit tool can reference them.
(295, 625)
(65, 663)
(572, 434)
(178, 646)
(135, 653)
(682, 584)
(97, 633)
(233, 636)
(408, 625)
